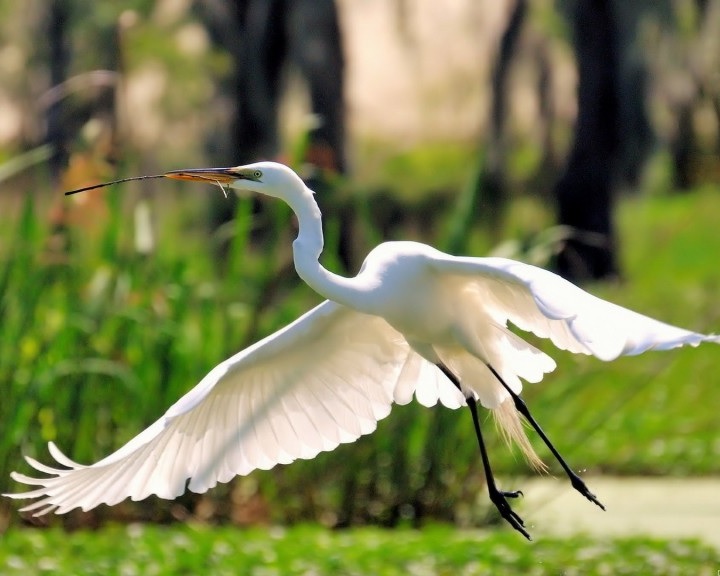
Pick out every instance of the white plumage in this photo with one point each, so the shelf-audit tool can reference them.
(331, 375)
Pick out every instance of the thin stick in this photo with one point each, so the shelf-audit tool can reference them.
(113, 182)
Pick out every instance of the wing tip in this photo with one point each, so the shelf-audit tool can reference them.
(61, 458)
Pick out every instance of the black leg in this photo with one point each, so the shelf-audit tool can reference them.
(497, 497)
(521, 407)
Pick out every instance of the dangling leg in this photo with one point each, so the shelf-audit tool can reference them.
(521, 407)
(497, 497)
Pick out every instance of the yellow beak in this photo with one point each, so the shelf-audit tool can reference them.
(215, 175)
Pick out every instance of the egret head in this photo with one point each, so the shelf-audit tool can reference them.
(269, 178)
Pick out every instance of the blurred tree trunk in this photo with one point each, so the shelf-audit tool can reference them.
(584, 192)
(549, 164)
(225, 23)
(488, 187)
(686, 144)
(263, 37)
(492, 182)
(56, 135)
(682, 146)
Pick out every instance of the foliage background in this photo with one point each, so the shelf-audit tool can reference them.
(113, 306)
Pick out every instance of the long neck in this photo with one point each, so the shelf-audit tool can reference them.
(307, 248)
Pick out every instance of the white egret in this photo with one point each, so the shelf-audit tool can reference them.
(414, 321)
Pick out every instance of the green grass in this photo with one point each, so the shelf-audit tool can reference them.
(306, 550)
(97, 341)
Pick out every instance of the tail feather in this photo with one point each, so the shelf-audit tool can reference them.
(513, 430)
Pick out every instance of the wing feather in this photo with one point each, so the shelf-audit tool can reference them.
(323, 380)
(549, 306)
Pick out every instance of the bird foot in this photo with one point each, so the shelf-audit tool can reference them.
(512, 494)
(499, 499)
(581, 487)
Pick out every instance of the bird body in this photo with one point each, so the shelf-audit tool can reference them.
(414, 321)
(401, 283)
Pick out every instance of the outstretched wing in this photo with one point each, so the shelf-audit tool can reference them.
(325, 379)
(549, 306)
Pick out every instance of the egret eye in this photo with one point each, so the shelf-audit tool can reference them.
(257, 174)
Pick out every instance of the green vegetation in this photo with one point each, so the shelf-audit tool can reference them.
(98, 339)
(441, 550)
